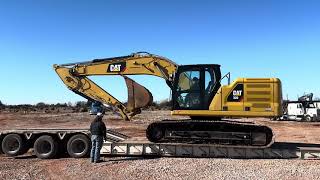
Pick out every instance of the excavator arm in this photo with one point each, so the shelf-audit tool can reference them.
(75, 77)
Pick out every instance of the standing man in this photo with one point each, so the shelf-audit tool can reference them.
(98, 133)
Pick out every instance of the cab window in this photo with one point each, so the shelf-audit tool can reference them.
(188, 90)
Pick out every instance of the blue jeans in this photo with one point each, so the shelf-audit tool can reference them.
(97, 142)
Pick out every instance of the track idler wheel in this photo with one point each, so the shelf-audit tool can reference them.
(155, 133)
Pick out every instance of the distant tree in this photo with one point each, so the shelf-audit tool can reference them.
(164, 104)
(61, 105)
(70, 104)
(2, 105)
(81, 104)
(40, 105)
(89, 103)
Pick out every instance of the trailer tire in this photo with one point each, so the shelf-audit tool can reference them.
(14, 145)
(1, 151)
(78, 146)
(45, 147)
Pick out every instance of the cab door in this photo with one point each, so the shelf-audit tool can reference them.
(195, 86)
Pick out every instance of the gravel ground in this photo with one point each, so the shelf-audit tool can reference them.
(160, 168)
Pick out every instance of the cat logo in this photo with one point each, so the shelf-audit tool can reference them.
(237, 94)
(116, 67)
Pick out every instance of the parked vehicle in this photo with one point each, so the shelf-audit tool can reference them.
(96, 107)
(305, 109)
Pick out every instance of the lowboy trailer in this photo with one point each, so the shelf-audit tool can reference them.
(49, 143)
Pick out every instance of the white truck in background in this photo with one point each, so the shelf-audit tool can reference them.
(301, 112)
(305, 109)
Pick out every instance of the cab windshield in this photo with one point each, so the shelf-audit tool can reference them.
(195, 87)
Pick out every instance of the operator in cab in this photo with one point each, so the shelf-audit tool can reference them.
(98, 133)
(193, 98)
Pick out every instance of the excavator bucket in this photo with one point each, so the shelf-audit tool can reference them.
(138, 95)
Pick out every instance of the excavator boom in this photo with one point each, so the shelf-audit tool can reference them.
(75, 77)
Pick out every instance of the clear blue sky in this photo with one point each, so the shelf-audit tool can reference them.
(274, 38)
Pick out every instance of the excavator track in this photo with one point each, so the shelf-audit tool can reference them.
(210, 132)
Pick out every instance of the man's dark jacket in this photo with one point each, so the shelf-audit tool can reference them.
(98, 127)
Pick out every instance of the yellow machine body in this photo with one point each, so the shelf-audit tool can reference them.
(258, 97)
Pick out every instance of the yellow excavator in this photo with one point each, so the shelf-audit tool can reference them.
(196, 92)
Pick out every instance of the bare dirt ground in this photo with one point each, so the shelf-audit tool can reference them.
(29, 167)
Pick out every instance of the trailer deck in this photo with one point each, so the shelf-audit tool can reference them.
(276, 151)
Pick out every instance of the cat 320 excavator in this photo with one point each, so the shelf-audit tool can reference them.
(196, 92)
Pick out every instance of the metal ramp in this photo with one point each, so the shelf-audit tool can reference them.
(114, 136)
(309, 153)
(277, 151)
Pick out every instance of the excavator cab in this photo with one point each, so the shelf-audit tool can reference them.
(195, 86)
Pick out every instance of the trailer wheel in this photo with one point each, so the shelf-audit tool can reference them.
(13, 145)
(78, 146)
(45, 147)
(1, 151)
